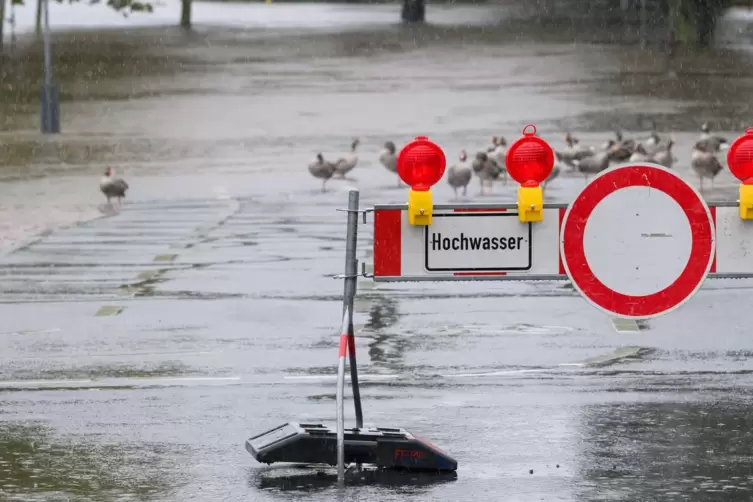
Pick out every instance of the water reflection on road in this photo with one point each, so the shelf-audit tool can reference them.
(140, 350)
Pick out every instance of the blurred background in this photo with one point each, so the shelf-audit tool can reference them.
(185, 88)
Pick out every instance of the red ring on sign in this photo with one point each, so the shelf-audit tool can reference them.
(574, 227)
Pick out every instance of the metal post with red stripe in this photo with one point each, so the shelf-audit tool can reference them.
(347, 334)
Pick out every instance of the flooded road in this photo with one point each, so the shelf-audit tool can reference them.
(140, 350)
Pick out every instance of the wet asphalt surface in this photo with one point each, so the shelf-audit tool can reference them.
(140, 349)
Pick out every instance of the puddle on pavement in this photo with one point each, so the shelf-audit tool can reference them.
(677, 451)
(37, 464)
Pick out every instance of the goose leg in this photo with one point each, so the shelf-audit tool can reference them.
(456, 191)
(701, 177)
(491, 186)
(465, 190)
(399, 181)
(324, 186)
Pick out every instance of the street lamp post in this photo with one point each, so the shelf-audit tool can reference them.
(50, 113)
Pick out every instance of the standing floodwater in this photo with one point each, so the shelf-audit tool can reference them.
(140, 350)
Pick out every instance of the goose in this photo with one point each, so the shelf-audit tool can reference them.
(717, 143)
(704, 162)
(459, 175)
(599, 161)
(388, 158)
(664, 156)
(322, 169)
(640, 154)
(498, 156)
(652, 144)
(113, 187)
(624, 147)
(575, 151)
(495, 140)
(346, 164)
(492, 172)
(486, 169)
(478, 165)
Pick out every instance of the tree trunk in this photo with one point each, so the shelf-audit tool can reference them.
(706, 14)
(38, 21)
(2, 24)
(414, 11)
(185, 13)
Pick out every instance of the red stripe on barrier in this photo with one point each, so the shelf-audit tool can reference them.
(352, 345)
(479, 210)
(343, 345)
(387, 242)
(471, 274)
(712, 210)
(559, 233)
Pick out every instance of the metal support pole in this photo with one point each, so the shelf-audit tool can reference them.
(50, 113)
(340, 398)
(347, 335)
(349, 295)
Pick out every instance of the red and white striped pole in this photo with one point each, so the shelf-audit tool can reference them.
(340, 399)
(347, 335)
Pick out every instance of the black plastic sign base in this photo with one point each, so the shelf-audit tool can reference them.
(317, 444)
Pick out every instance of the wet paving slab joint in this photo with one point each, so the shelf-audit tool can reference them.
(109, 310)
(620, 355)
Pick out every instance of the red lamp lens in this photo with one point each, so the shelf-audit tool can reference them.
(740, 156)
(421, 164)
(529, 158)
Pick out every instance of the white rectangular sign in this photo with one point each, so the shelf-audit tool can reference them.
(480, 242)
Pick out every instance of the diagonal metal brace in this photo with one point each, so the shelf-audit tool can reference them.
(362, 274)
(364, 212)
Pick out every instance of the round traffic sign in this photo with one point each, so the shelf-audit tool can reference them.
(740, 157)
(638, 241)
(421, 163)
(529, 158)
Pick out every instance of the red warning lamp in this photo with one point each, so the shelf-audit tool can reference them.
(740, 157)
(420, 164)
(529, 158)
(530, 161)
(740, 162)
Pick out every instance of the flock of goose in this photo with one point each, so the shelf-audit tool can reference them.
(489, 165)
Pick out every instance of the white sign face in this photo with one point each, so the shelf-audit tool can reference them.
(648, 253)
(482, 242)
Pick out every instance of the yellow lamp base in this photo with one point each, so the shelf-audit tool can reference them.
(530, 204)
(420, 207)
(746, 202)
